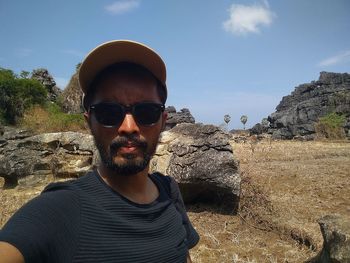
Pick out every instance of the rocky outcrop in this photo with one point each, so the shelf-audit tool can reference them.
(26, 159)
(297, 113)
(44, 77)
(201, 160)
(72, 96)
(174, 117)
(258, 129)
(198, 156)
(336, 234)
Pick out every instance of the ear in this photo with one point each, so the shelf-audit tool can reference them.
(87, 118)
(164, 119)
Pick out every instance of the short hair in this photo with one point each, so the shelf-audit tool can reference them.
(122, 67)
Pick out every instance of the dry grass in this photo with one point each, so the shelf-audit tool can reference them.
(52, 119)
(286, 187)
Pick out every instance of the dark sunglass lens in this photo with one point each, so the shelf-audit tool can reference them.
(109, 114)
(147, 113)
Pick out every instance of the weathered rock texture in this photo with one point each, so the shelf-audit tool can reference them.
(72, 96)
(199, 157)
(26, 159)
(336, 234)
(297, 113)
(201, 160)
(174, 117)
(44, 77)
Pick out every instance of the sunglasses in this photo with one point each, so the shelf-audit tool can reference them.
(112, 114)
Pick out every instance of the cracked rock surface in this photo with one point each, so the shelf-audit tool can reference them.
(26, 159)
(201, 160)
(198, 156)
(336, 235)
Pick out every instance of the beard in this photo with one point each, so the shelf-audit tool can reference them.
(130, 164)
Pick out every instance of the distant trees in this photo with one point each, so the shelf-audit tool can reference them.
(244, 119)
(227, 119)
(18, 93)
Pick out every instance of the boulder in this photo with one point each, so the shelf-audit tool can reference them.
(297, 113)
(198, 156)
(201, 160)
(258, 129)
(174, 117)
(26, 159)
(336, 234)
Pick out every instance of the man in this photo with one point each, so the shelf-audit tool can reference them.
(119, 212)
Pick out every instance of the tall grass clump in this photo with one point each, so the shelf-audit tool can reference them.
(330, 126)
(50, 118)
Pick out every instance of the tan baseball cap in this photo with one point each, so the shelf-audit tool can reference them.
(116, 51)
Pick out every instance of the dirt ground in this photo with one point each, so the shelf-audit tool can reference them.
(286, 187)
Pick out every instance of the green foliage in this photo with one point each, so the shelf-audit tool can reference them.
(333, 120)
(331, 126)
(18, 94)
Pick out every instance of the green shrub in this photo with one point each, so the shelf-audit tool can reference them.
(331, 126)
(17, 95)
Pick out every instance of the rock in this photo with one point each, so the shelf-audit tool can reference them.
(258, 129)
(297, 114)
(201, 160)
(198, 156)
(44, 77)
(174, 118)
(336, 234)
(72, 96)
(28, 159)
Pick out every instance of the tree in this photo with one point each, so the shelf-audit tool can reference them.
(24, 74)
(244, 120)
(18, 94)
(227, 119)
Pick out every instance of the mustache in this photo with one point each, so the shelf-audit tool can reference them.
(123, 141)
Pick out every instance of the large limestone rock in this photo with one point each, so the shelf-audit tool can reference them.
(26, 159)
(72, 96)
(198, 156)
(176, 117)
(201, 160)
(336, 234)
(297, 113)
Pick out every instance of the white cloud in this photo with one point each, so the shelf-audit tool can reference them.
(337, 59)
(23, 52)
(246, 19)
(121, 7)
(61, 82)
(73, 52)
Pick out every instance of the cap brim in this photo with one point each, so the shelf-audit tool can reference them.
(120, 51)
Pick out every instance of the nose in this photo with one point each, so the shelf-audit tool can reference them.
(128, 126)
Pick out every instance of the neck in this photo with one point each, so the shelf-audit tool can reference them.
(138, 187)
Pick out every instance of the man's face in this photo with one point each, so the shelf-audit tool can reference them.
(127, 148)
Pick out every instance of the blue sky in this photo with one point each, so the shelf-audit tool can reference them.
(223, 57)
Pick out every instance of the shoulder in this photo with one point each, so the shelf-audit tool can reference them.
(168, 183)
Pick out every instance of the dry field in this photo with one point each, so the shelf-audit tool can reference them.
(286, 187)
